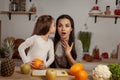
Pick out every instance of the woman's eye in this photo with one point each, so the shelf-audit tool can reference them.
(67, 25)
(59, 25)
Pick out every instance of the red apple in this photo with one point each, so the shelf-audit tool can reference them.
(96, 57)
(51, 74)
(117, 12)
(89, 58)
(85, 55)
(105, 55)
(95, 8)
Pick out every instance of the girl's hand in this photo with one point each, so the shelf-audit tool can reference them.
(28, 63)
(67, 48)
(42, 66)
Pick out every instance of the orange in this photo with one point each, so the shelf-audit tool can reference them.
(37, 63)
(75, 68)
(81, 75)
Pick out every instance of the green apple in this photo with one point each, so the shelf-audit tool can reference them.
(25, 68)
(51, 74)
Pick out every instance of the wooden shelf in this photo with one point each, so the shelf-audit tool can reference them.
(30, 0)
(17, 12)
(104, 16)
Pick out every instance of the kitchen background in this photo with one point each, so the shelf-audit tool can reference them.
(105, 33)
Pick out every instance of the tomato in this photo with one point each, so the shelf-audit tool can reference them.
(117, 12)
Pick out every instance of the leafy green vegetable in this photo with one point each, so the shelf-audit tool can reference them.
(115, 70)
(85, 38)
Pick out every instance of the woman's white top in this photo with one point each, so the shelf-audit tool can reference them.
(38, 48)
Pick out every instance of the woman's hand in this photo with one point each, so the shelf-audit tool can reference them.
(67, 48)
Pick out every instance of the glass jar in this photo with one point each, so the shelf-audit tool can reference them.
(13, 5)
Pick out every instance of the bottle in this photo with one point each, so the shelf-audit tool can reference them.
(107, 12)
(13, 5)
(96, 53)
(33, 8)
(118, 5)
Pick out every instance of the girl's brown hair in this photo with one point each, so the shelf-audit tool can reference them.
(42, 25)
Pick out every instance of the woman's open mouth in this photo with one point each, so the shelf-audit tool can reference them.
(63, 33)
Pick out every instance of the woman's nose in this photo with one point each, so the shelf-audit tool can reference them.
(63, 28)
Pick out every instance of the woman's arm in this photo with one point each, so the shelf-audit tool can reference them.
(27, 43)
(79, 50)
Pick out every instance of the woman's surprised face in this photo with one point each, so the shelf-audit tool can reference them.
(64, 28)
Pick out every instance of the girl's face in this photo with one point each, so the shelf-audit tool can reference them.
(64, 28)
(52, 27)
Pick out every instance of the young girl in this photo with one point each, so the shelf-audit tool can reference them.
(39, 44)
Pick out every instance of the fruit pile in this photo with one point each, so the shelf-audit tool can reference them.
(78, 71)
(95, 56)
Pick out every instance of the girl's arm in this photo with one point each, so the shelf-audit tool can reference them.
(51, 56)
(27, 43)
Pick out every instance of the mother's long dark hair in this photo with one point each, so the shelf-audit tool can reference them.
(71, 37)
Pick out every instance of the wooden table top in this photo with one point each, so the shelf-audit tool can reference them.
(18, 76)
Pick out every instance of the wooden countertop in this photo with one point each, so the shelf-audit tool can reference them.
(18, 76)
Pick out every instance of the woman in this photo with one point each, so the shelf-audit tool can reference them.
(40, 45)
(68, 50)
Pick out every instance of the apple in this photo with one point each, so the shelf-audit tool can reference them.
(51, 74)
(96, 56)
(105, 55)
(95, 8)
(117, 12)
(25, 68)
(86, 55)
(89, 58)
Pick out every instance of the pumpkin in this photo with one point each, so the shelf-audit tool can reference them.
(36, 63)
(75, 68)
